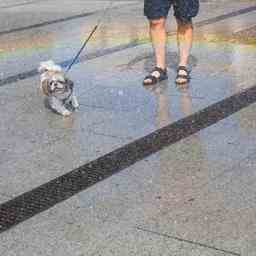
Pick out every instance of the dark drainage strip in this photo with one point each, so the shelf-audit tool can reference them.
(47, 195)
(104, 52)
(45, 23)
(90, 56)
(226, 16)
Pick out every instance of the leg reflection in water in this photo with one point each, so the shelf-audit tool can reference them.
(183, 166)
(163, 114)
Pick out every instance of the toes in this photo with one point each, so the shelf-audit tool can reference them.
(181, 80)
(147, 81)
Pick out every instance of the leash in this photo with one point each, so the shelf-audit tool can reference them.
(100, 20)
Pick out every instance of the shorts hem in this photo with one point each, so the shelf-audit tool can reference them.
(183, 19)
(155, 17)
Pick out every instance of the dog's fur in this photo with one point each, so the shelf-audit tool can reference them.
(57, 88)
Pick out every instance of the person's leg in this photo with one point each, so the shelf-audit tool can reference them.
(158, 36)
(156, 11)
(158, 39)
(184, 41)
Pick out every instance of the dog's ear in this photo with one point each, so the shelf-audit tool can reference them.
(49, 66)
(45, 87)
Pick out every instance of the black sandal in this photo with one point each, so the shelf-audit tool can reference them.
(154, 80)
(186, 77)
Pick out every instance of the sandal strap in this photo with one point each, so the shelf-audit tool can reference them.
(152, 78)
(155, 79)
(182, 68)
(160, 70)
(182, 76)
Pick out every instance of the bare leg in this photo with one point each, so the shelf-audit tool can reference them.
(158, 38)
(184, 40)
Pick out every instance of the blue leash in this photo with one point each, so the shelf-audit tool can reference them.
(89, 37)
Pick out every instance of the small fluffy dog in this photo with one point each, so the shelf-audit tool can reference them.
(57, 88)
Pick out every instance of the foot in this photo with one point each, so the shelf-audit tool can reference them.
(157, 75)
(66, 113)
(182, 75)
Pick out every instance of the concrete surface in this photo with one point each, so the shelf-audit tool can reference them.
(195, 197)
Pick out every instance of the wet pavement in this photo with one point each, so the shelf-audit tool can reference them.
(181, 160)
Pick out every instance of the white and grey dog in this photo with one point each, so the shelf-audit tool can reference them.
(57, 88)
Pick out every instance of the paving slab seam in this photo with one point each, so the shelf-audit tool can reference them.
(109, 135)
(51, 22)
(188, 241)
(92, 131)
(62, 188)
(91, 106)
(22, 4)
(108, 51)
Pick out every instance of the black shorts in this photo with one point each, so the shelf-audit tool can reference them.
(184, 10)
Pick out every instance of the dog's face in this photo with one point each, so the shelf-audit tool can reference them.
(55, 83)
(57, 87)
(53, 80)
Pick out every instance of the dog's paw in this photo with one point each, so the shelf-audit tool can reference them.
(74, 102)
(76, 105)
(66, 113)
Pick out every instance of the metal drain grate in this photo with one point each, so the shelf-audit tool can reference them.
(42, 198)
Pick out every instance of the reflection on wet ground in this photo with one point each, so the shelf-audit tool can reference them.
(60, 41)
